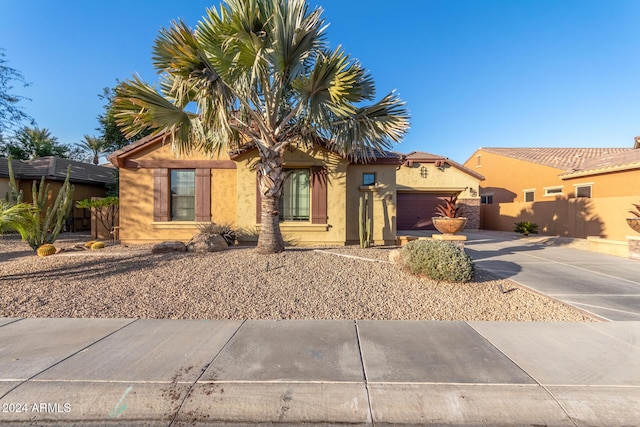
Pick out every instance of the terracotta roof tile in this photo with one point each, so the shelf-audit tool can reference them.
(566, 159)
(629, 159)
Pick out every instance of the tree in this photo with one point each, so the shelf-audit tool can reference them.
(114, 139)
(11, 114)
(260, 74)
(33, 142)
(93, 147)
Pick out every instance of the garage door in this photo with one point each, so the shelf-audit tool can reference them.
(415, 210)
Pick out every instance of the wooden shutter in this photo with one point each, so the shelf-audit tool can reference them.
(203, 195)
(161, 195)
(318, 195)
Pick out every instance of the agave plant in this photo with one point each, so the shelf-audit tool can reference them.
(448, 208)
(636, 213)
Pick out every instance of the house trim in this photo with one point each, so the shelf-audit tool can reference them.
(179, 164)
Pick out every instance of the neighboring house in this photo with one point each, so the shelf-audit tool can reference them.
(424, 180)
(164, 198)
(88, 180)
(575, 192)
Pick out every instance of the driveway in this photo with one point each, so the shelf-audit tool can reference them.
(603, 285)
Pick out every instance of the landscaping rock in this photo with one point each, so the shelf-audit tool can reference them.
(166, 247)
(394, 256)
(207, 243)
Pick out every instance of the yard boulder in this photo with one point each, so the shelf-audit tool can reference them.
(207, 243)
(166, 247)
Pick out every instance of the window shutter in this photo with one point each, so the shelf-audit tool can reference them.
(203, 195)
(161, 195)
(258, 202)
(318, 195)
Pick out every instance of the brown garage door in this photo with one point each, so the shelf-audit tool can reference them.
(415, 210)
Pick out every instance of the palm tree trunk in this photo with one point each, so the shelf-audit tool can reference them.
(270, 179)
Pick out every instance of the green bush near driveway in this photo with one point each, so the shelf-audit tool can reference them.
(437, 260)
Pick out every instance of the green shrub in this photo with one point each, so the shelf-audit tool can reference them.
(227, 232)
(526, 227)
(437, 260)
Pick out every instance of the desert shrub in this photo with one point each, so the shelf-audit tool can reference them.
(89, 243)
(97, 245)
(526, 227)
(227, 232)
(437, 260)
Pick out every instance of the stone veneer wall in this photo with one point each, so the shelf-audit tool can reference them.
(471, 210)
(634, 247)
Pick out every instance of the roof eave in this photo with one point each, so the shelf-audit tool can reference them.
(599, 171)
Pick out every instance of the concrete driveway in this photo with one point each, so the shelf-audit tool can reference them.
(605, 286)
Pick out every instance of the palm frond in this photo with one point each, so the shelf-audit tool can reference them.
(140, 107)
(372, 128)
(19, 217)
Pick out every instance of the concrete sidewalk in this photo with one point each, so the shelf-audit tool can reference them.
(189, 372)
(605, 286)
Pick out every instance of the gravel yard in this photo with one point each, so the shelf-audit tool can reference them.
(301, 283)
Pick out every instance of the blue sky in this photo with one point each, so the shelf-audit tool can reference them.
(510, 73)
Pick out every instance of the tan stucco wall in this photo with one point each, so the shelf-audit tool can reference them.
(448, 178)
(298, 233)
(382, 194)
(507, 178)
(136, 200)
(5, 188)
(603, 215)
(617, 184)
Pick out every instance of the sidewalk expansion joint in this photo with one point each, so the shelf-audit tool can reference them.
(364, 372)
(560, 405)
(204, 369)
(68, 357)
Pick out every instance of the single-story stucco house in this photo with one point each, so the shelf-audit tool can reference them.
(88, 180)
(165, 198)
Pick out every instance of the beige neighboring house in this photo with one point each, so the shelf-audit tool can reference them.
(574, 192)
(165, 198)
(424, 180)
(88, 180)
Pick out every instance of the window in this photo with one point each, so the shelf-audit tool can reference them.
(583, 190)
(368, 179)
(553, 191)
(478, 161)
(528, 195)
(183, 194)
(295, 201)
(486, 199)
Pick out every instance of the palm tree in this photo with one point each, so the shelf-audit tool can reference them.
(40, 142)
(93, 146)
(31, 143)
(260, 74)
